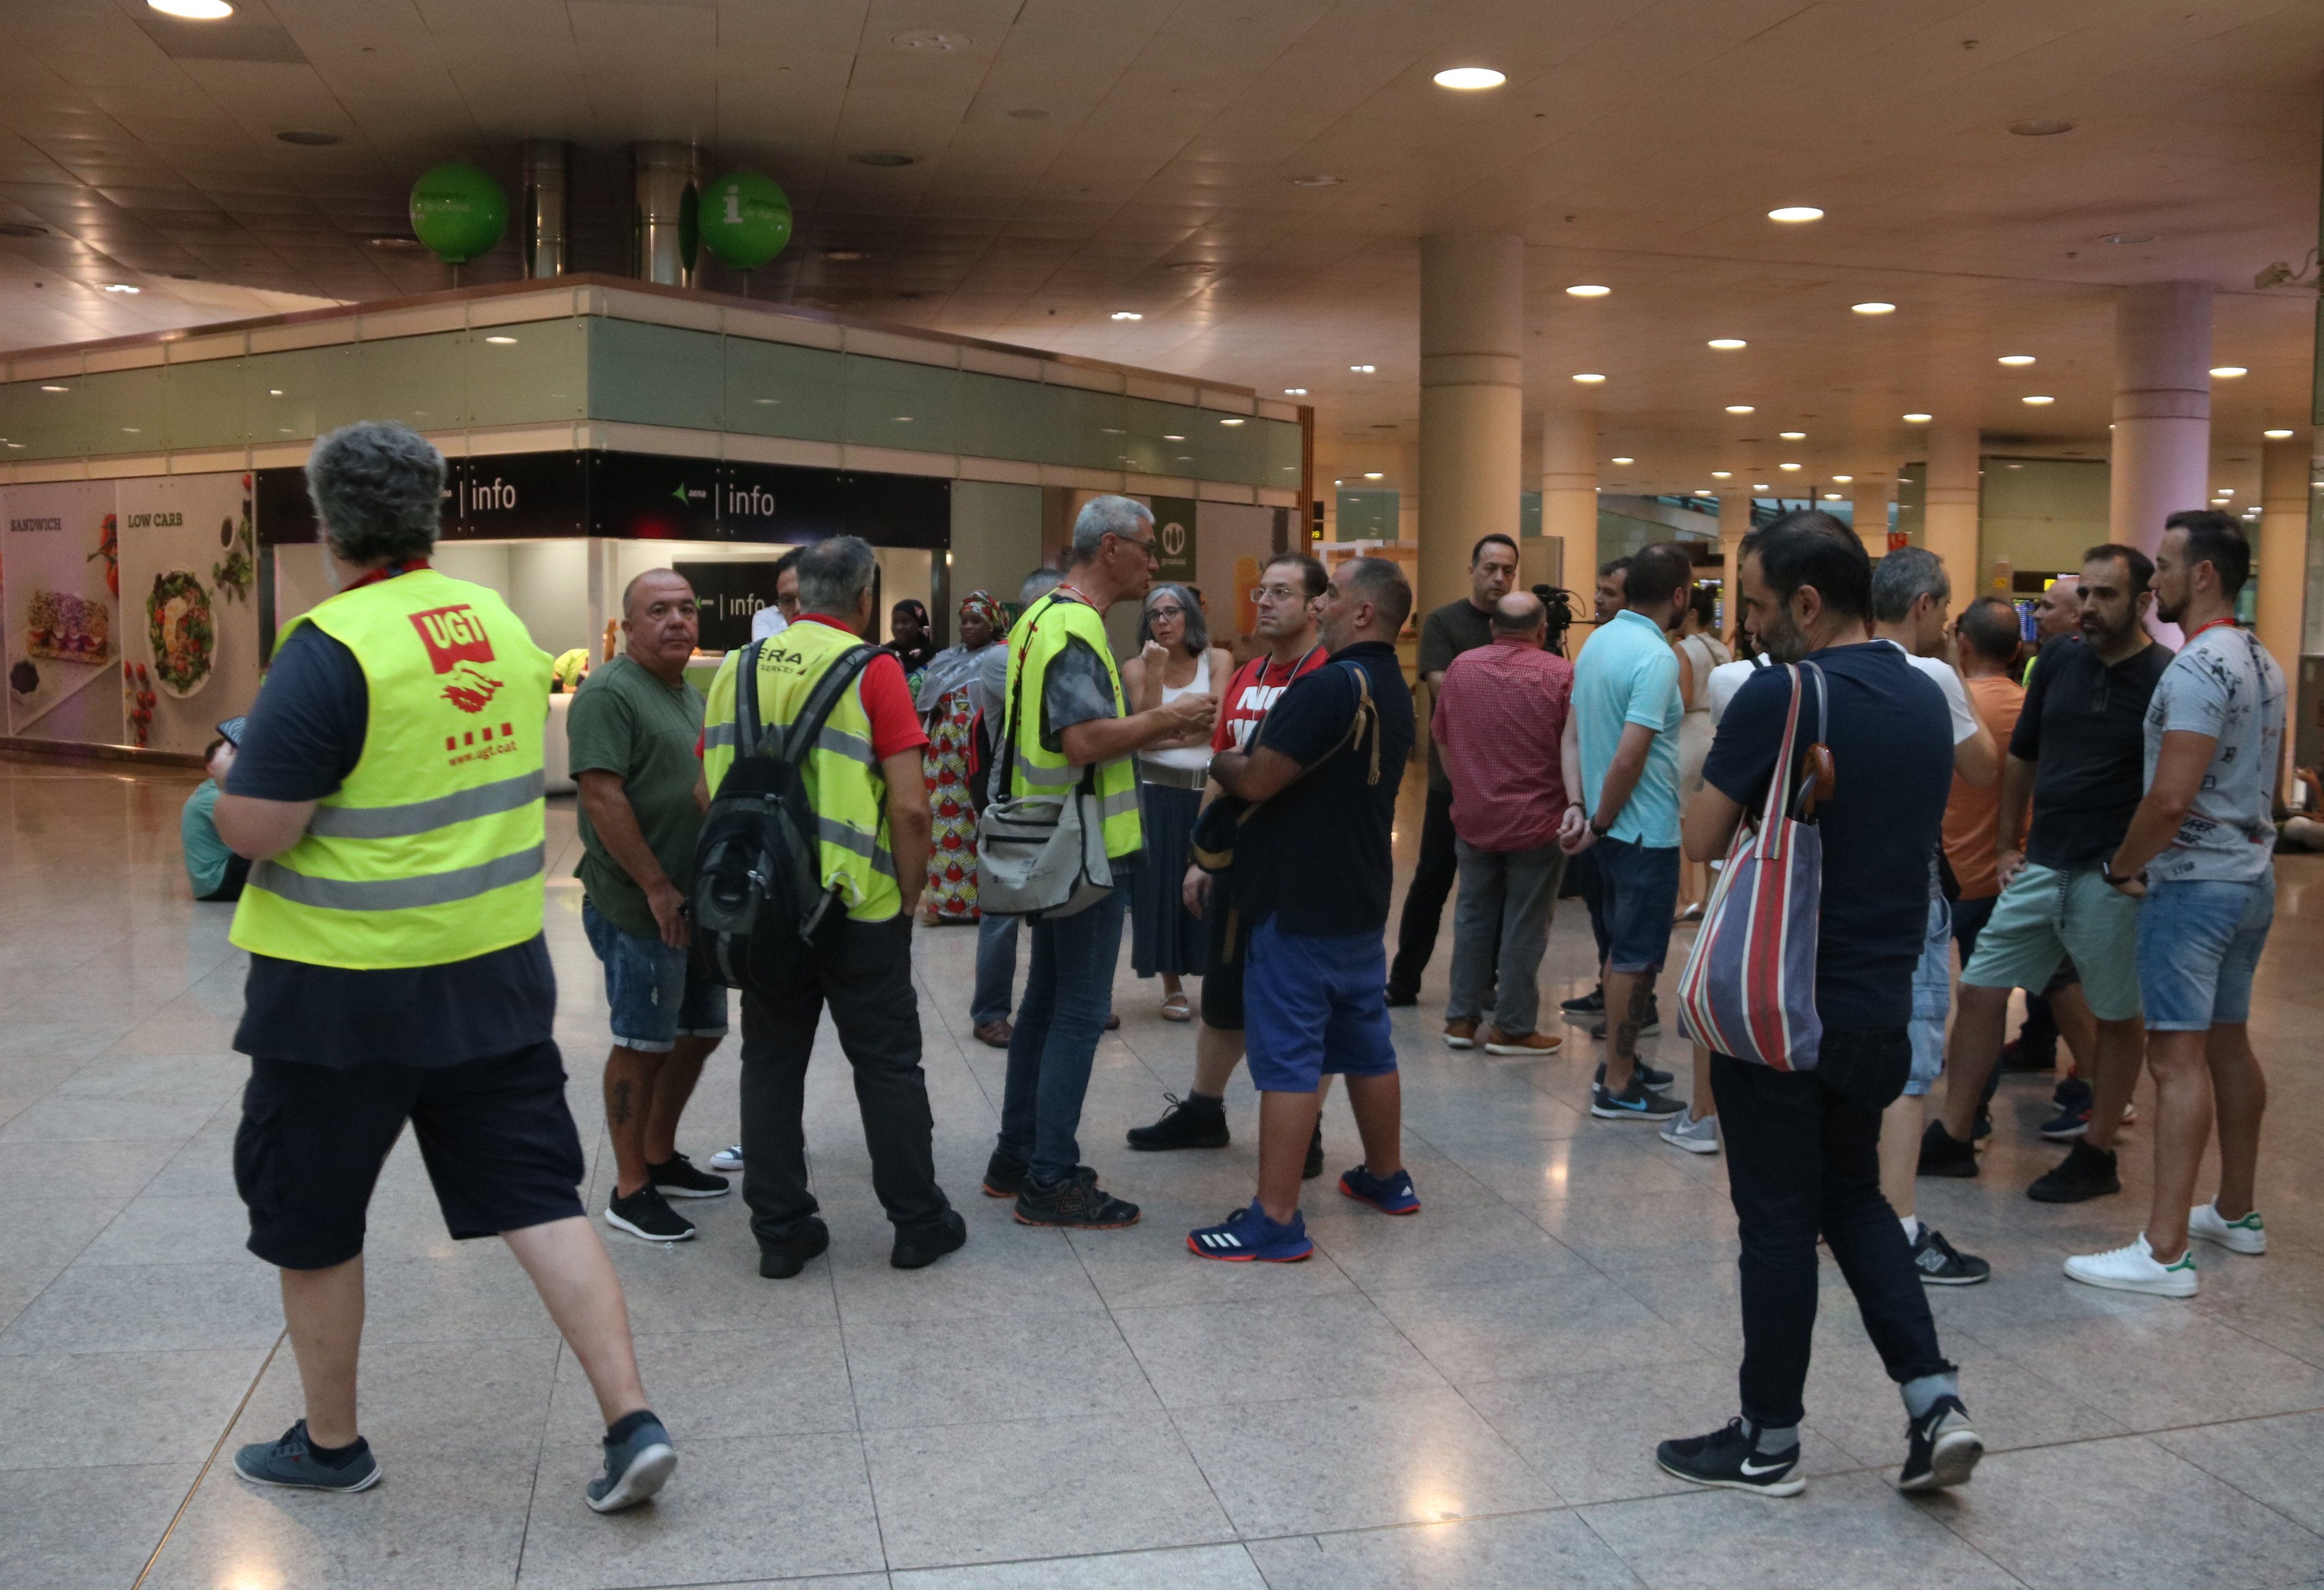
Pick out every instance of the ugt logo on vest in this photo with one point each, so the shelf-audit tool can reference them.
(456, 642)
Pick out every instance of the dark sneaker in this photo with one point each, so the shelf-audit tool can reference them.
(729, 1160)
(1646, 1028)
(2016, 1056)
(782, 1260)
(1724, 1457)
(1314, 1165)
(1076, 1202)
(1636, 1103)
(646, 1214)
(1592, 1003)
(291, 1462)
(2085, 1173)
(1004, 1174)
(1191, 1123)
(1941, 1449)
(679, 1180)
(2074, 1100)
(1247, 1235)
(2072, 1094)
(1941, 1266)
(1397, 998)
(1982, 1130)
(1390, 1195)
(1114, 1021)
(1652, 1076)
(995, 1033)
(1943, 1154)
(638, 1464)
(917, 1250)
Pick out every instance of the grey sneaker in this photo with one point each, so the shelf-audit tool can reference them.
(637, 1464)
(290, 1462)
(1696, 1137)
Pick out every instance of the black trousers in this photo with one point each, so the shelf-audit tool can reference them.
(1423, 904)
(1804, 1157)
(1590, 879)
(865, 976)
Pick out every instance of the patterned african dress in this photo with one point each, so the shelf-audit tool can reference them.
(951, 855)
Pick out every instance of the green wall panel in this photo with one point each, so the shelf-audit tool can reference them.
(528, 374)
(893, 404)
(657, 376)
(773, 389)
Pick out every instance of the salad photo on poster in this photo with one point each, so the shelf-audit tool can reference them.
(189, 656)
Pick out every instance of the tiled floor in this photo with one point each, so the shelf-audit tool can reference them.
(1467, 1398)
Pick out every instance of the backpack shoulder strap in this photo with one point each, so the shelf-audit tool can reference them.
(801, 737)
(746, 700)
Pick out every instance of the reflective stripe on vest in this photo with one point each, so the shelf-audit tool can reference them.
(434, 848)
(843, 778)
(1036, 640)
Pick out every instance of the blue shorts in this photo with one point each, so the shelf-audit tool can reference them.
(1313, 1005)
(655, 998)
(1641, 885)
(2199, 941)
(1933, 998)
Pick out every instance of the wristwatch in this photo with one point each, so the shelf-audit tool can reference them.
(2114, 879)
(1601, 833)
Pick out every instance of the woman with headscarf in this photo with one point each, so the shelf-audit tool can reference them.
(910, 639)
(1175, 657)
(948, 703)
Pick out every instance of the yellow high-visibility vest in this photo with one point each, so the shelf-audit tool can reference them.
(1035, 640)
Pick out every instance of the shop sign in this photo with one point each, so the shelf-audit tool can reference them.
(728, 595)
(1174, 539)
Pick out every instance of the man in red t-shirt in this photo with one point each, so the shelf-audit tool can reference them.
(1288, 589)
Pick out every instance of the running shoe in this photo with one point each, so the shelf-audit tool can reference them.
(1943, 1154)
(677, 1179)
(1592, 1003)
(1004, 1175)
(1461, 1034)
(646, 1215)
(1652, 1076)
(1940, 1450)
(1941, 1265)
(2247, 1235)
(1390, 1195)
(1636, 1103)
(1696, 1137)
(1725, 1457)
(1530, 1045)
(2084, 1173)
(639, 1461)
(1247, 1235)
(290, 1461)
(2136, 1269)
(1075, 1201)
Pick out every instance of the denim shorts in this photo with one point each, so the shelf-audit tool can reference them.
(1313, 1005)
(1933, 998)
(1641, 885)
(655, 997)
(2199, 941)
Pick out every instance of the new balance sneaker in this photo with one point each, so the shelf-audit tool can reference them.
(647, 1215)
(1725, 1457)
(1682, 1130)
(1190, 1122)
(1532, 1045)
(1004, 1175)
(1460, 1034)
(729, 1160)
(1940, 1450)
(2136, 1269)
(2084, 1173)
(290, 1461)
(639, 1461)
(1314, 1165)
(1247, 1235)
(1075, 1201)
(1636, 1102)
(1941, 1265)
(2247, 1235)
(1390, 1195)
(1652, 1076)
(1943, 1154)
(1585, 1005)
(1646, 1028)
(677, 1179)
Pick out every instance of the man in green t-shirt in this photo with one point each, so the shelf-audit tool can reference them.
(633, 729)
(212, 869)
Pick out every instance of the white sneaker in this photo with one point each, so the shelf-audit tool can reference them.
(2247, 1235)
(1696, 1137)
(727, 1159)
(2133, 1270)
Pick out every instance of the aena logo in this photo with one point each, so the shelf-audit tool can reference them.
(452, 635)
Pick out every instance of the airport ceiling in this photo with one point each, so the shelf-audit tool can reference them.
(1252, 177)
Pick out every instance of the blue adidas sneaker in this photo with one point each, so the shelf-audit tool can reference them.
(1390, 1195)
(1247, 1234)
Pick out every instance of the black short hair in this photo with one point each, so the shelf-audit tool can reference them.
(1310, 571)
(1656, 573)
(1380, 582)
(1991, 627)
(1483, 541)
(211, 749)
(2141, 566)
(1809, 547)
(2216, 539)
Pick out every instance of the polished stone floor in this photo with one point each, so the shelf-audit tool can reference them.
(1466, 1399)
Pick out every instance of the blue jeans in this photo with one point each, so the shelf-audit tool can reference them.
(1068, 994)
(996, 969)
(2199, 942)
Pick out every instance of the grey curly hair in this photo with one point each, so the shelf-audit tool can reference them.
(378, 490)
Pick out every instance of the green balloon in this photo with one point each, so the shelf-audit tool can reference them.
(458, 210)
(745, 218)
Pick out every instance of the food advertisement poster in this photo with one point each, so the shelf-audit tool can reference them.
(59, 584)
(189, 647)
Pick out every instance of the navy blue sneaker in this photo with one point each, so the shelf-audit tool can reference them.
(291, 1462)
(1247, 1234)
(1390, 1195)
(639, 1461)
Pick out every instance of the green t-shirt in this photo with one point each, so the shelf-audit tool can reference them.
(206, 855)
(623, 720)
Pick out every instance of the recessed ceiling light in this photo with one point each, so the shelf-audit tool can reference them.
(1759, 485)
(2041, 127)
(1842, 479)
(846, 255)
(1230, 421)
(2127, 237)
(392, 240)
(120, 286)
(1374, 474)
(130, 430)
(1171, 436)
(1795, 213)
(1726, 344)
(883, 159)
(1874, 307)
(928, 41)
(1294, 392)
(1723, 475)
(2275, 435)
(1740, 409)
(1787, 466)
(2223, 491)
(1590, 378)
(500, 341)
(1126, 315)
(2228, 372)
(2037, 399)
(1317, 179)
(1792, 435)
(2014, 359)
(1587, 289)
(274, 392)
(1918, 418)
(1362, 369)
(55, 389)
(1470, 78)
(1623, 460)
(193, 10)
(308, 138)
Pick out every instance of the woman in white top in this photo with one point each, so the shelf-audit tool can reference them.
(1699, 652)
(1175, 657)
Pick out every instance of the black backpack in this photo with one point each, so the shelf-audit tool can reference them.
(759, 901)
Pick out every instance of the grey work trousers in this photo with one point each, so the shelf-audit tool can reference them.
(1507, 898)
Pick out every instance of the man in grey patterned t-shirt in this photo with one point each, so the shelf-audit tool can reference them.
(2200, 852)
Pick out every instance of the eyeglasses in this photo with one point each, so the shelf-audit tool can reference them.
(1169, 612)
(1146, 544)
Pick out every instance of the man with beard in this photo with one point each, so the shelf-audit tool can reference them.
(2080, 749)
(1803, 1146)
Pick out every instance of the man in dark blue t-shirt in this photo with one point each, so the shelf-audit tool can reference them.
(1313, 873)
(1803, 1146)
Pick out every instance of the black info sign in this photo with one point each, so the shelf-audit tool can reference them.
(728, 595)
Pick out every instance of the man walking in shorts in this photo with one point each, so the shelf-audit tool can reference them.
(2201, 852)
(1313, 871)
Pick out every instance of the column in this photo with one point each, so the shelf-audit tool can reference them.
(2280, 563)
(1871, 511)
(546, 165)
(663, 178)
(1472, 401)
(1734, 524)
(2162, 408)
(1568, 497)
(1950, 507)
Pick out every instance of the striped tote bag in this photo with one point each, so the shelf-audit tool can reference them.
(1748, 988)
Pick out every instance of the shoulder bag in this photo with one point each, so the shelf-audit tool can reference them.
(1038, 856)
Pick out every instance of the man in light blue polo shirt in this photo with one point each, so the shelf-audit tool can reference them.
(1626, 713)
